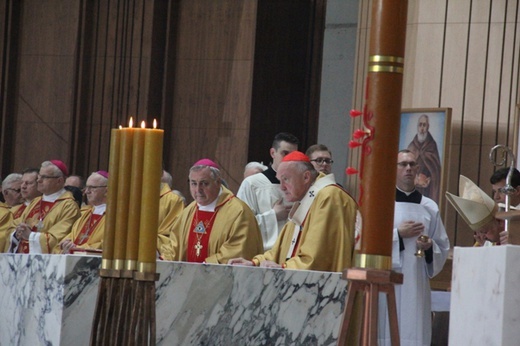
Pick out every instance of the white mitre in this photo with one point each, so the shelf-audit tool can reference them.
(473, 205)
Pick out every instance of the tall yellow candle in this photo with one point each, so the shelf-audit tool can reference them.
(123, 196)
(110, 218)
(152, 172)
(134, 209)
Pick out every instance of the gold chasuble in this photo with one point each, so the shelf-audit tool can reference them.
(170, 207)
(18, 210)
(87, 232)
(6, 225)
(234, 232)
(320, 237)
(53, 220)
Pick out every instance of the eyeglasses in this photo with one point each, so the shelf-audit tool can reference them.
(14, 190)
(404, 164)
(321, 161)
(89, 187)
(41, 176)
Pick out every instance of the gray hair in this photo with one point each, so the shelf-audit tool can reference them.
(11, 178)
(167, 178)
(214, 172)
(255, 164)
(303, 166)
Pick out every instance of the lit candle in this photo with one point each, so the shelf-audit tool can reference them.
(123, 196)
(152, 172)
(134, 209)
(110, 218)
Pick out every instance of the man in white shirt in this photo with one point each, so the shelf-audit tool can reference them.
(262, 193)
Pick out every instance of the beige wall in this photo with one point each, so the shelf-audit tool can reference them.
(462, 55)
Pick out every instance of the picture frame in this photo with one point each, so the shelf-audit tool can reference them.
(432, 173)
(516, 134)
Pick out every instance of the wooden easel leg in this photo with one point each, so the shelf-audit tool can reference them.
(353, 288)
(373, 304)
(392, 315)
(370, 282)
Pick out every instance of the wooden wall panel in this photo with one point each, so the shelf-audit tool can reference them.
(46, 69)
(211, 69)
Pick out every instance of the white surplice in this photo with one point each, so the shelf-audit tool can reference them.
(413, 297)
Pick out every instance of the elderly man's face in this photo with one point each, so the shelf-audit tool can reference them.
(30, 186)
(423, 126)
(12, 194)
(96, 190)
(48, 181)
(73, 181)
(204, 189)
(492, 230)
(293, 182)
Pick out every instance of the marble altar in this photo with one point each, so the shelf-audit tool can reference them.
(485, 297)
(50, 300)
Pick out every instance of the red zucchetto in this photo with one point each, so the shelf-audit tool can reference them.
(296, 156)
(62, 167)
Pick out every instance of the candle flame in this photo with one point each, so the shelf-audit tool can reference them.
(143, 124)
(120, 127)
(131, 122)
(154, 123)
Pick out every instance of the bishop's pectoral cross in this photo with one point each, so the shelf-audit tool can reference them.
(198, 247)
(83, 237)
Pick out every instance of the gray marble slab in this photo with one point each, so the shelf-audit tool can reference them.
(50, 300)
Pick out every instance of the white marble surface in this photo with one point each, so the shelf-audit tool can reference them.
(50, 300)
(485, 298)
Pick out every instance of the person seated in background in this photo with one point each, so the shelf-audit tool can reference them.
(320, 233)
(76, 184)
(478, 210)
(76, 193)
(170, 206)
(87, 232)
(6, 225)
(29, 191)
(216, 226)
(75, 180)
(167, 179)
(11, 189)
(253, 167)
(49, 218)
(321, 158)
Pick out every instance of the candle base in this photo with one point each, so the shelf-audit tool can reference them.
(119, 264)
(109, 273)
(146, 267)
(106, 264)
(373, 261)
(140, 276)
(131, 265)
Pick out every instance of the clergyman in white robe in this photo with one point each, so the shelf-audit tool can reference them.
(413, 297)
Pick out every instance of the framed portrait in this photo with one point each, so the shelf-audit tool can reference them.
(426, 132)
